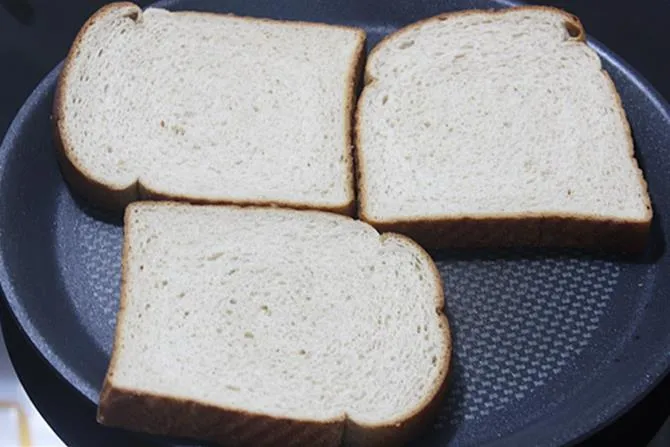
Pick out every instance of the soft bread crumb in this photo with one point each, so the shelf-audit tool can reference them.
(482, 115)
(211, 107)
(291, 314)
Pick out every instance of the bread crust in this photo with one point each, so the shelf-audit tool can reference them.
(156, 414)
(104, 195)
(116, 197)
(162, 415)
(541, 230)
(626, 237)
(399, 432)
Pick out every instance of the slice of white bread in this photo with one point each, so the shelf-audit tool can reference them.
(207, 108)
(498, 128)
(267, 326)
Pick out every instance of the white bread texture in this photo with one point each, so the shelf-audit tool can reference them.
(265, 326)
(498, 128)
(209, 108)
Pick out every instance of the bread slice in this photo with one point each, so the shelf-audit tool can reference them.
(267, 326)
(207, 107)
(498, 128)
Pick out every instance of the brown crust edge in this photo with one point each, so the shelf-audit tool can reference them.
(518, 230)
(401, 431)
(162, 415)
(626, 237)
(109, 197)
(184, 418)
(355, 78)
(85, 185)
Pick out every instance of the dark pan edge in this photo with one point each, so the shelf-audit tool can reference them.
(13, 302)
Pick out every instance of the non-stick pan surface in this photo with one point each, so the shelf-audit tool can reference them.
(549, 345)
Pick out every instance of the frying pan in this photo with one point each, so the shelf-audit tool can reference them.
(549, 346)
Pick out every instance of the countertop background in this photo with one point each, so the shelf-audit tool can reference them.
(36, 34)
(21, 424)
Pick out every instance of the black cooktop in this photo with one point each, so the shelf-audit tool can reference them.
(35, 36)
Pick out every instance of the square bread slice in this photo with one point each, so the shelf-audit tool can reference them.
(267, 326)
(207, 107)
(498, 128)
